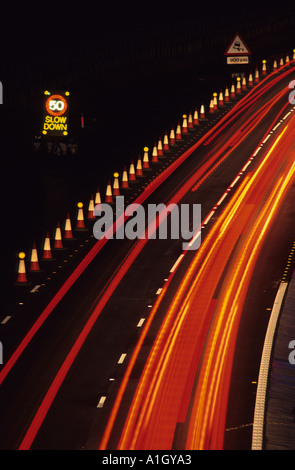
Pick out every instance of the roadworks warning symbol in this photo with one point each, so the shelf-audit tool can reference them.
(237, 47)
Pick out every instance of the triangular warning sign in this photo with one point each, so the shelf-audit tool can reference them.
(237, 47)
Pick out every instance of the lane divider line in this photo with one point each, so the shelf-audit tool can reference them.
(101, 402)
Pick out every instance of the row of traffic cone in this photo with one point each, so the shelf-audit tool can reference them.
(135, 173)
(58, 242)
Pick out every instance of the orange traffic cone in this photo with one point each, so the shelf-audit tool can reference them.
(256, 78)
(264, 67)
(202, 112)
(132, 175)
(155, 154)
(34, 266)
(145, 162)
(68, 235)
(287, 60)
(215, 101)
(220, 99)
(196, 117)
(125, 184)
(178, 132)
(97, 200)
(250, 81)
(281, 62)
(275, 66)
(21, 274)
(109, 195)
(172, 136)
(232, 91)
(58, 239)
(184, 124)
(47, 255)
(226, 95)
(139, 171)
(160, 148)
(239, 91)
(166, 142)
(80, 224)
(90, 214)
(211, 107)
(244, 84)
(116, 189)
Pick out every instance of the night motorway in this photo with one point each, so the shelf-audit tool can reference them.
(148, 237)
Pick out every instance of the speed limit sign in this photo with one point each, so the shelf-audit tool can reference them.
(56, 105)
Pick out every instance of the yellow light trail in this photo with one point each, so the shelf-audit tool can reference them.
(149, 424)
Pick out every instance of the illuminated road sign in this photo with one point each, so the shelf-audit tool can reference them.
(55, 119)
(237, 52)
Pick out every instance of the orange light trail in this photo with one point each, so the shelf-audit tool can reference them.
(197, 337)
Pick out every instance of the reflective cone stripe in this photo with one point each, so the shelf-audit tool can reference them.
(34, 266)
(196, 117)
(90, 214)
(21, 274)
(184, 124)
(109, 194)
(68, 228)
(125, 184)
(166, 142)
(155, 155)
(80, 217)
(58, 239)
(178, 132)
(132, 175)
(160, 148)
(116, 189)
(139, 167)
(145, 161)
(47, 248)
(172, 136)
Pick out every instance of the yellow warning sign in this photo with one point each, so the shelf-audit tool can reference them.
(55, 119)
